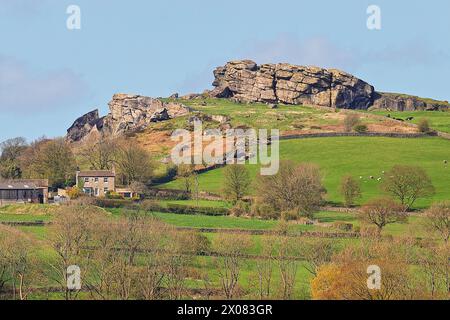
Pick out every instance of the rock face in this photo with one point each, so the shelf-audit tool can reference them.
(127, 113)
(245, 81)
(83, 126)
(399, 102)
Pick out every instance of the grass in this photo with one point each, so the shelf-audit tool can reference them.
(439, 120)
(199, 203)
(258, 115)
(359, 157)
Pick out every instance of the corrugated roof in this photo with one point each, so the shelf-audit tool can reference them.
(96, 173)
(21, 184)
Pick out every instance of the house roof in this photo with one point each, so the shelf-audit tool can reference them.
(96, 173)
(22, 184)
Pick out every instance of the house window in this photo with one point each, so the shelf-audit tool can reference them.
(96, 179)
(105, 180)
(106, 190)
(86, 179)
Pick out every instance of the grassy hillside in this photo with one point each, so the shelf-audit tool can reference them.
(358, 156)
(439, 120)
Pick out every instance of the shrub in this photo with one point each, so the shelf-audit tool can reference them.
(350, 122)
(113, 203)
(343, 226)
(424, 126)
(361, 128)
(74, 193)
(290, 215)
(113, 196)
(241, 208)
(298, 125)
(264, 211)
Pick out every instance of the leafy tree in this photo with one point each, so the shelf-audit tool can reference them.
(50, 159)
(11, 151)
(350, 189)
(236, 182)
(407, 184)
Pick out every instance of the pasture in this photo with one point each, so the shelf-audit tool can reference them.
(361, 157)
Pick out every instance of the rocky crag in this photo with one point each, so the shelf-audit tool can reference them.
(245, 81)
(127, 113)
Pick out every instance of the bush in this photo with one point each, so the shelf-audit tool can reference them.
(207, 211)
(264, 211)
(343, 226)
(74, 193)
(298, 124)
(112, 203)
(113, 196)
(424, 126)
(150, 205)
(241, 208)
(361, 128)
(350, 122)
(290, 215)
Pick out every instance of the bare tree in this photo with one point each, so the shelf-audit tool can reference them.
(381, 212)
(265, 268)
(231, 249)
(407, 184)
(70, 233)
(295, 187)
(287, 262)
(317, 253)
(16, 262)
(437, 220)
(100, 154)
(134, 164)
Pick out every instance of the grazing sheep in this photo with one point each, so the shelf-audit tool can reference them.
(379, 179)
(372, 177)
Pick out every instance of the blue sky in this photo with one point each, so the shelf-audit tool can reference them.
(49, 75)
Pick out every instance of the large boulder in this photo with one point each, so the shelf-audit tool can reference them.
(401, 102)
(83, 126)
(133, 112)
(290, 84)
(127, 113)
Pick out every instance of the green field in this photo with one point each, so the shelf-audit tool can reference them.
(359, 157)
(258, 115)
(439, 120)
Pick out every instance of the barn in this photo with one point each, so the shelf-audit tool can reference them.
(23, 191)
